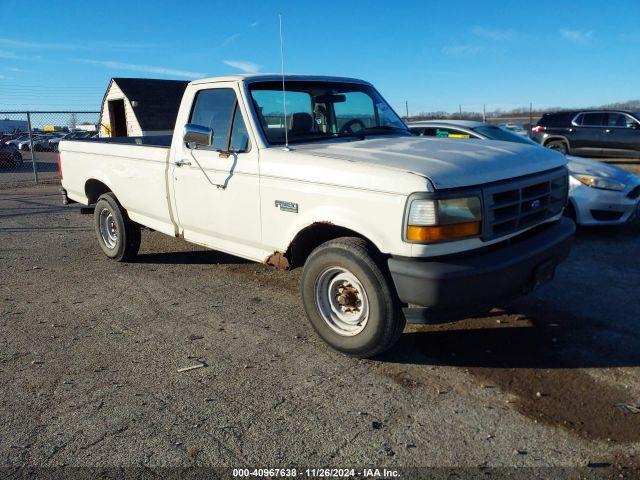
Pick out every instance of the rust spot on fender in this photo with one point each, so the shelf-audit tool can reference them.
(278, 260)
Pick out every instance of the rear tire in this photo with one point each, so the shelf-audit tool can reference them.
(17, 160)
(558, 145)
(349, 298)
(118, 236)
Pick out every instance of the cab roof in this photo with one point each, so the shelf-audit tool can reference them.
(271, 77)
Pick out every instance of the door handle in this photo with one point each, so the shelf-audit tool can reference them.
(180, 163)
(607, 130)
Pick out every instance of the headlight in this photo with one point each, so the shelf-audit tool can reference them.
(600, 182)
(431, 221)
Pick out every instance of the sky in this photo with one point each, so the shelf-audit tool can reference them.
(432, 55)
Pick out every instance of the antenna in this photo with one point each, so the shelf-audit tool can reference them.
(284, 95)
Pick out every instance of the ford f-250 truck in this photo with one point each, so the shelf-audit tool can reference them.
(380, 220)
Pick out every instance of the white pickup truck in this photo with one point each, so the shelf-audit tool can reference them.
(381, 220)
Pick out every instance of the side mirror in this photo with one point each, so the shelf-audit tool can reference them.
(635, 126)
(197, 135)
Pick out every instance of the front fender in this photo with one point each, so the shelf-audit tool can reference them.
(383, 227)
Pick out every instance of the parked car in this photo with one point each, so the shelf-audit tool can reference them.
(379, 218)
(593, 133)
(18, 139)
(516, 128)
(24, 145)
(10, 156)
(599, 194)
(53, 143)
(8, 136)
(41, 143)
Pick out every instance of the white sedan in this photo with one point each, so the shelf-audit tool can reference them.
(599, 193)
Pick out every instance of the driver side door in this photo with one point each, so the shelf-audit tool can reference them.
(216, 188)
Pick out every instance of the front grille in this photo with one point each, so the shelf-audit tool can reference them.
(517, 204)
(635, 193)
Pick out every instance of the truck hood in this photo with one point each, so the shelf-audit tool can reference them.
(446, 163)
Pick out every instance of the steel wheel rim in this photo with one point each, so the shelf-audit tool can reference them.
(108, 228)
(342, 301)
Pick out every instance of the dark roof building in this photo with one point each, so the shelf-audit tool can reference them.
(135, 107)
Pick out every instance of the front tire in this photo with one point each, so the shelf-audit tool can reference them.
(118, 236)
(558, 145)
(349, 299)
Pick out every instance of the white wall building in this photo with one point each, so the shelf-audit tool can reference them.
(134, 107)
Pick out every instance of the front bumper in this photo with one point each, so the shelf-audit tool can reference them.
(595, 206)
(480, 279)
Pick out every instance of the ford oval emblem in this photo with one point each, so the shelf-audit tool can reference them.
(536, 204)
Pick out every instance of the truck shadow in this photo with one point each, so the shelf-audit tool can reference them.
(538, 337)
(203, 257)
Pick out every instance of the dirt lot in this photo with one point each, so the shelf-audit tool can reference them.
(90, 352)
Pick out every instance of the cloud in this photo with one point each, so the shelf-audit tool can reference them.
(494, 33)
(124, 45)
(19, 70)
(21, 44)
(144, 68)
(459, 50)
(79, 45)
(579, 37)
(246, 67)
(230, 39)
(254, 24)
(12, 56)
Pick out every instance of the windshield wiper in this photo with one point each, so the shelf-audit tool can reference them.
(384, 129)
(359, 135)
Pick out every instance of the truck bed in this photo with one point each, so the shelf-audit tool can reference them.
(135, 169)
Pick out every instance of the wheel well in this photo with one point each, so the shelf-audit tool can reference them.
(93, 189)
(555, 139)
(311, 237)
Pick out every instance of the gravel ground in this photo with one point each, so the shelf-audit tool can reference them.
(90, 352)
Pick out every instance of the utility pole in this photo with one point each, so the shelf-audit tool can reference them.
(530, 115)
(406, 106)
(484, 112)
(33, 150)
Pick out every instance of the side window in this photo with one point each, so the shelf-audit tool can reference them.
(578, 120)
(593, 119)
(213, 108)
(630, 122)
(239, 136)
(617, 120)
(429, 132)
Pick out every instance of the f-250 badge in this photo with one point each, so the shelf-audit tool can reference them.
(287, 206)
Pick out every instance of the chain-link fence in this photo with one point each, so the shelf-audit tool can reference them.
(29, 142)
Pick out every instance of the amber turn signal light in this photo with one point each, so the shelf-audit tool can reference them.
(442, 232)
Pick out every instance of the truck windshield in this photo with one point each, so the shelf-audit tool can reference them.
(322, 110)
